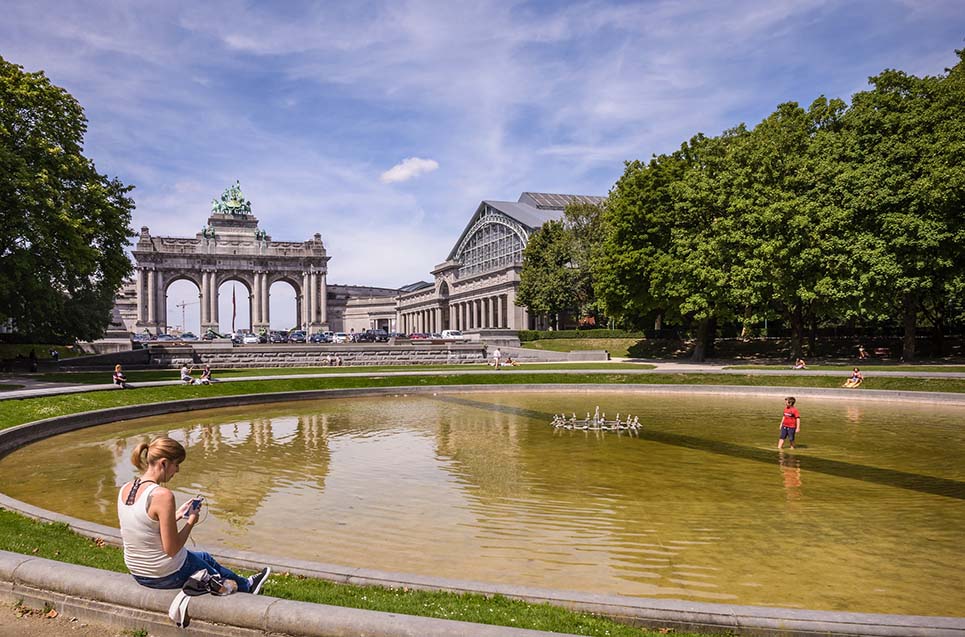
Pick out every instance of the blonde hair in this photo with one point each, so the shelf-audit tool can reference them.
(163, 448)
(117, 367)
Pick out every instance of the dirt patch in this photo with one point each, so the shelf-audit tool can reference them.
(17, 620)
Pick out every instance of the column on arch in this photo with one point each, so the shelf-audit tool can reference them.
(139, 281)
(323, 299)
(213, 313)
(204, 299)
(305, 316)
(152, 297)
(265, 296)
(256, 300)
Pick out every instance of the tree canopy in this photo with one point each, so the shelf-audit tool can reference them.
(64, 226)
(822, 215)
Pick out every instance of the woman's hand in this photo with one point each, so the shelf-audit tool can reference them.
(182, 509)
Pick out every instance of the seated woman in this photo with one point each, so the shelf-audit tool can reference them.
(119, 378)
(205, 375)
(800, 364)
(153, 544)
(855, 380)
(511, 362)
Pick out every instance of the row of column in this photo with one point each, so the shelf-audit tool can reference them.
(150, 296)
(427, 320)
(490, 312)
(209, 300)
(313, 306)
(152, 310)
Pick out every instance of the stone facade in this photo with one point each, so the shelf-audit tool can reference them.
(474, 289)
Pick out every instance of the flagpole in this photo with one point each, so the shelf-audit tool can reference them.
(234, 309)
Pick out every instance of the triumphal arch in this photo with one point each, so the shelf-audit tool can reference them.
(230, 248)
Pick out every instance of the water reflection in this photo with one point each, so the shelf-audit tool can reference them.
(482, 487)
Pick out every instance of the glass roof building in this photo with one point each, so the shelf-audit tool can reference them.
(474, 289)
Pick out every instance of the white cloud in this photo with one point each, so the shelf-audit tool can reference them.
(409, 167)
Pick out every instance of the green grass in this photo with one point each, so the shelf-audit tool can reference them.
(15, 412)
(42, 350)
(9, 387)
(96, 378)
(616, 346)
(846, 367)
(57, 542)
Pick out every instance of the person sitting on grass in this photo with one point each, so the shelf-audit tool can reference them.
(800, 364)
(855, 380)
(119, 378)
(511, 362)
(205, 375)
(154, 549)
(186, 377)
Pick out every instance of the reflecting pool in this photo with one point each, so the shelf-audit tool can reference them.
(868, 514)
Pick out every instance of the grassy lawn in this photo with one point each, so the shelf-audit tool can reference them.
(42, 350)
(15, 412)
(53, 541)
(846, 367)
(57, 542)
(98, 378)
(616, 346)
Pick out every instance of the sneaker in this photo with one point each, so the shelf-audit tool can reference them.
(256, 581)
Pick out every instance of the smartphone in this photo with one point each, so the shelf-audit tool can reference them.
(195, 506)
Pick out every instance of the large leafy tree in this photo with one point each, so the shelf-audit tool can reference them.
(548, 277)
(790, 250)
(905, 156)
(64, 226)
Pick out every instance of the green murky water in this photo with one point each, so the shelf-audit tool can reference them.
(867, 515)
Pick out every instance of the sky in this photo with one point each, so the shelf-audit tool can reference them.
(382, 125)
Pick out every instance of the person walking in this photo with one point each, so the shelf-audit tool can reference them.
(790, 423)
(154, 546)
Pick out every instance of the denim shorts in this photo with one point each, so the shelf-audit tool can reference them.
(194, 562)
(788, 432)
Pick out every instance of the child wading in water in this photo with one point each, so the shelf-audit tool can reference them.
(790, 422)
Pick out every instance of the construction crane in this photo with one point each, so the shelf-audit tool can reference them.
(182, 305)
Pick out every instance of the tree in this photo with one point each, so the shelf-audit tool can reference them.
(63, 227)
(791, 247)
(546, 282)
(906, 185)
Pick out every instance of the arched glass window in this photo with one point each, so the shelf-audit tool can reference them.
(493, 243)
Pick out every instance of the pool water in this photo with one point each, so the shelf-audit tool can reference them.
(868, 514)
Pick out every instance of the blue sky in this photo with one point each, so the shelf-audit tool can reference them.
(317, 106)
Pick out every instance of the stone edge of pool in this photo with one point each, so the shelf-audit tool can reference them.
(98, 595)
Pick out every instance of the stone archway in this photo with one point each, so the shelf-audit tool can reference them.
(230, 247)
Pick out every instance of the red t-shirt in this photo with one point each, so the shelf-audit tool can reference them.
(791, 415)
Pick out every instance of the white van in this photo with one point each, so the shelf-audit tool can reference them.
(451, 335)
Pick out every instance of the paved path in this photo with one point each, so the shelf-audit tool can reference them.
(16, 623)
(34, 387)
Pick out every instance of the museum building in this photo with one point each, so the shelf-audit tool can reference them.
(474, 289)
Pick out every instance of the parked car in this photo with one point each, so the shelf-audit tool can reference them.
(377, 336)
(320, 337)
(277, 337)
(297, 336)
(165, 337)
(189, 336)
(418, 336)
(451, 335)
(340, 337)
(251, 339)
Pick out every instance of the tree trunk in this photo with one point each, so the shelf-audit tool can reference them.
(704, 345)
(797, 331)
(909, 311)
(938, 338)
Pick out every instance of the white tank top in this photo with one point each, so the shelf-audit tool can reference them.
(143, 552)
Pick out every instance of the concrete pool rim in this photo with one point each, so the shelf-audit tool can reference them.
(683, 615)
